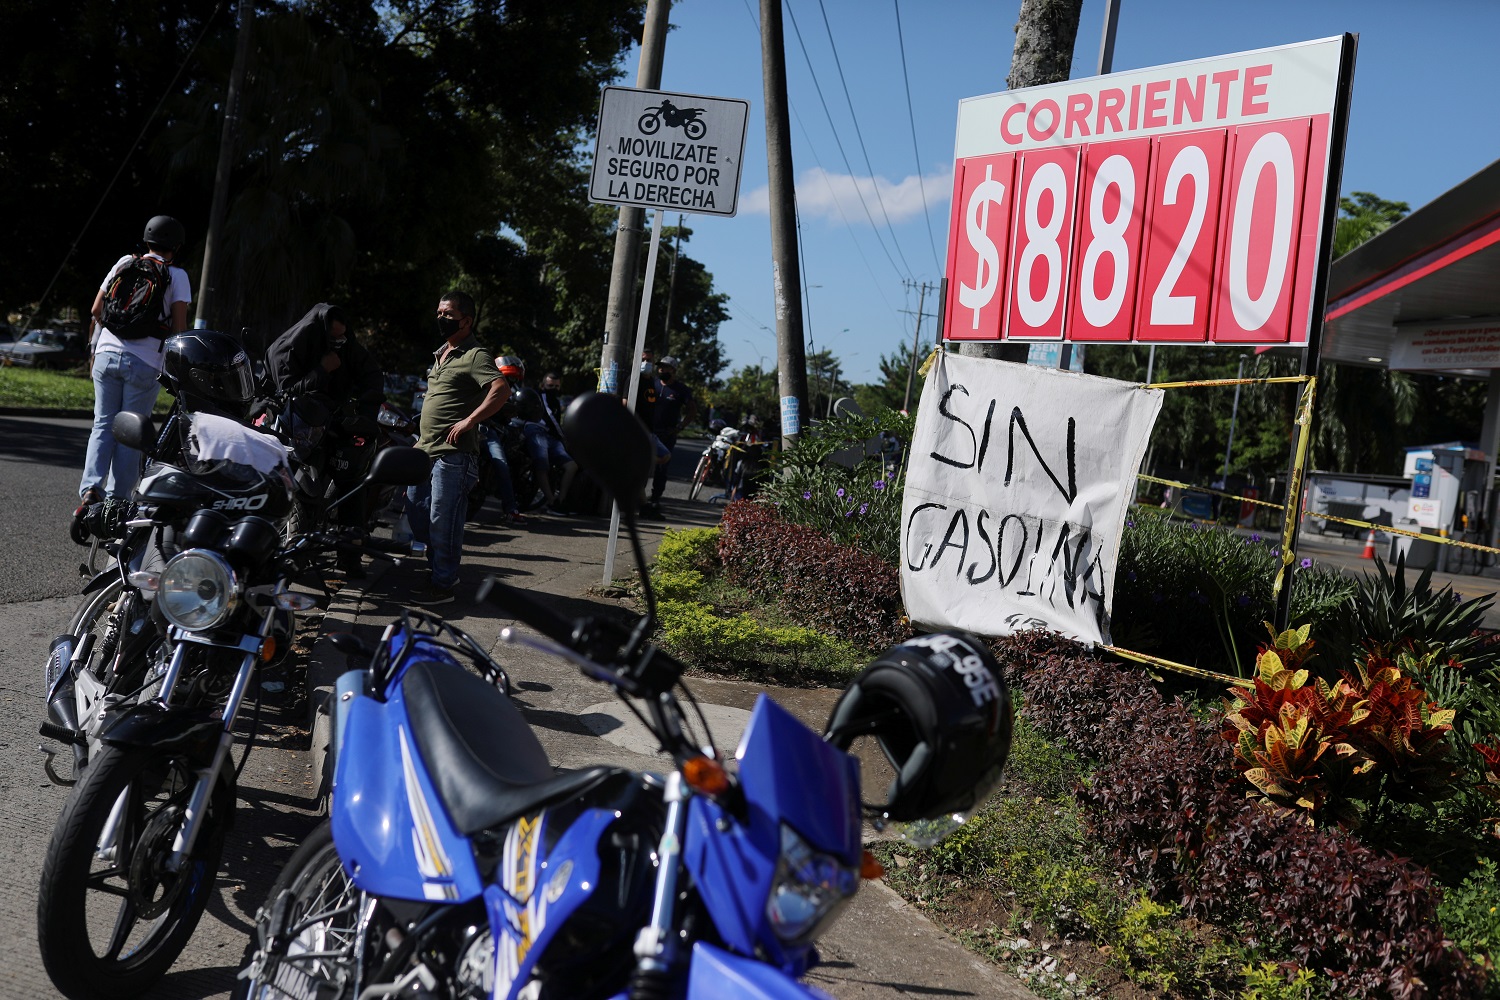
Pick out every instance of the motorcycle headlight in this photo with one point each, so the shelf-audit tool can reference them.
(809, 887)
(198, 590)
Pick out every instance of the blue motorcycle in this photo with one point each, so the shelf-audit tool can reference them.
(458, 864)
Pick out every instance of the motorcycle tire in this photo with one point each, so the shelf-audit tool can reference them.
(700, 476)
(93, 610)
(312, 907)
(694, 129)
(129, 907)
(648, 123)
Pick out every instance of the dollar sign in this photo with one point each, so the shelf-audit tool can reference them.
(987, 268)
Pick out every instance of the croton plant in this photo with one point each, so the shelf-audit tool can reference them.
(1315, 749)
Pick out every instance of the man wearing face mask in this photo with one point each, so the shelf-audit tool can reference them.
(463, 388)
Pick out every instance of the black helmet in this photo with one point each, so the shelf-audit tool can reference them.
(165, 231)
(529, 403)
(940, 709)
(208, 370)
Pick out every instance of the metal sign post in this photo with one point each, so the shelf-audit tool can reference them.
(663, 150)
(635, 387)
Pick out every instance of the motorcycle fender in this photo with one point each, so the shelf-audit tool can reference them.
(149, 724)
(349, 686)
(101, 580)
(724, 975)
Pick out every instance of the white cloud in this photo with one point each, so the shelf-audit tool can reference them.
(821, 194)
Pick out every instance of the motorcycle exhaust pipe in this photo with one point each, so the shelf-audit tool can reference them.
(61, 711)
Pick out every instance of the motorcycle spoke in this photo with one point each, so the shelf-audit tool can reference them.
(124, 923)
(98, 881)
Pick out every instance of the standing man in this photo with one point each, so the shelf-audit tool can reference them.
(142, 301)
(674, 406)
(463, 388)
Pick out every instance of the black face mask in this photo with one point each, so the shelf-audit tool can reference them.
(447, 326)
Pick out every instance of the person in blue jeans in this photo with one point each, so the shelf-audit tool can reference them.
(125, 370)
(463, 388)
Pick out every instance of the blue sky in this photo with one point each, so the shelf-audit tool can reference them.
(1422, 121)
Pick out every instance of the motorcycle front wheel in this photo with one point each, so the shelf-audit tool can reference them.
(111, 918)
(306, 939)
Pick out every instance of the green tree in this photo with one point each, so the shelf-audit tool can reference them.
(750, 391)
(1362, 217)
(890, 391)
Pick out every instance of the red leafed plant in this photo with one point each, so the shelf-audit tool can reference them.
(1402, 731)
(1490, 789)
(1292, 740)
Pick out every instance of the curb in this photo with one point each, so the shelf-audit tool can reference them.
(324, 665)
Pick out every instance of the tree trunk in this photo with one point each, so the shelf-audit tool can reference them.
(1045, 32)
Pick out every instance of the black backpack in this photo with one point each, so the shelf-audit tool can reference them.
(132, 307)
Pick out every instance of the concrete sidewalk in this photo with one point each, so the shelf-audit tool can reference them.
(879, 948)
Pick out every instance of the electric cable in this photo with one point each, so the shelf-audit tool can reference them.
(874, 182)
(839, 142)
(911, 119)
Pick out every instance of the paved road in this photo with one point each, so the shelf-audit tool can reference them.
(40, 462)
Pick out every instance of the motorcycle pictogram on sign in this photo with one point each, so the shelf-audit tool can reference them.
(675, 117)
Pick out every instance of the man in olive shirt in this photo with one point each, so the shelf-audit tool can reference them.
(463, 388)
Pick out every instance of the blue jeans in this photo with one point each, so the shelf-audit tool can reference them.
(436, 508)
(121, 382)
(504, 488)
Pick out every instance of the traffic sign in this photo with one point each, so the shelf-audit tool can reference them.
(678, 152)
(1176, 204)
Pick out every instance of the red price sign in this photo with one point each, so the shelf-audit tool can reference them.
(1182, 204)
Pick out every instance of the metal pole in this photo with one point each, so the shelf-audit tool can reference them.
(1107, 43)
(208, 278)
(916, 341)
(786, 273)
(666, 330)
(1338, 134)
(635, 384)
(615, 362)
(1233, 412)
(1150, 363)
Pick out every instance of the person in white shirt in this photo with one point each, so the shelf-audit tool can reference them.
(125, 369)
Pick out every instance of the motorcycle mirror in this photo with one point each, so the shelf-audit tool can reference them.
(612, 444)
(134, 430)
(399, 466)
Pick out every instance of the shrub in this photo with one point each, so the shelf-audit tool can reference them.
(832, 483)
(676, 585)
(1197, 595)
(1470, 913)
(820, 583)
(1162, 797)
(682, 549)
(1383, 615)
(695, 631)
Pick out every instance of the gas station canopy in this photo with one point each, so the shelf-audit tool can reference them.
(1438, 267)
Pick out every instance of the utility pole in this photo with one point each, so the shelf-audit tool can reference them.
(1045, 32)
(786, 274)
(208, 279)
(666, 331)
(617, 369)
(916, 342)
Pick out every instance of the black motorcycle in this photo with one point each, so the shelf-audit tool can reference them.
(135, 851)
(331, 446)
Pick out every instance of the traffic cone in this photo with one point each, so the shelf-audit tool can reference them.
(1369, 552)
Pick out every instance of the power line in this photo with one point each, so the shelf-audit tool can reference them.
(879, 198)
(916, 155)
(837, 141)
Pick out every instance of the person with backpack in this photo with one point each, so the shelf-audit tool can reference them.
(142, 301)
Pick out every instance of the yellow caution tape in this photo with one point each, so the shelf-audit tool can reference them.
(1181, 668)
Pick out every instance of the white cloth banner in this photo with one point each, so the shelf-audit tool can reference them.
(1016, 492)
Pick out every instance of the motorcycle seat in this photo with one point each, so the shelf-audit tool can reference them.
(485, 762)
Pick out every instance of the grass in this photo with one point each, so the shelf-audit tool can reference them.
(54, 390)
